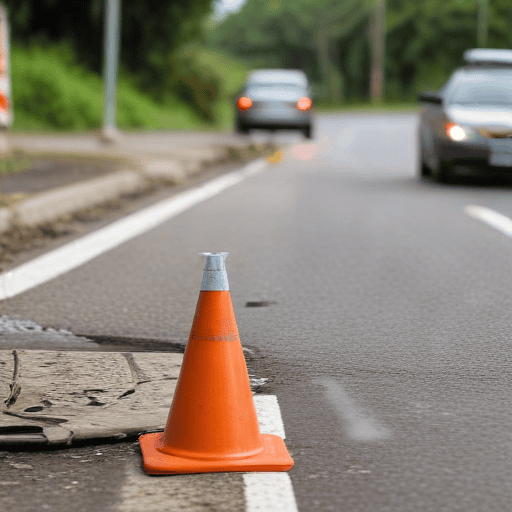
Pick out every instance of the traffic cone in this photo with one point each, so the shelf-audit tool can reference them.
(212, 424)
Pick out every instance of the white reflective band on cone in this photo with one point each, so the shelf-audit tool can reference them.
(215, 277)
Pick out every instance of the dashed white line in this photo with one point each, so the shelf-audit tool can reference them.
(359, 425)
(82, 250)
(494, 219)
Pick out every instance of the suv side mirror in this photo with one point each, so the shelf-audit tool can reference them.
(430, 97)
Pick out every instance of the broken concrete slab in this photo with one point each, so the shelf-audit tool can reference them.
(61, 397)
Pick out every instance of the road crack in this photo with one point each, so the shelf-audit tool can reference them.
(14, 386)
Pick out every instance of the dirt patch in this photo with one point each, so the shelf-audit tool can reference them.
(23, 173)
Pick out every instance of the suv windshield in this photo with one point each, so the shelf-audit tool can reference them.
(486, 92)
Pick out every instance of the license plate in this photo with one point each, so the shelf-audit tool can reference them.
(501, 145)
(501, 153)
(501, 159)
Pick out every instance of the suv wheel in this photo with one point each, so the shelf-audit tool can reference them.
(423, 169)
(442, 172)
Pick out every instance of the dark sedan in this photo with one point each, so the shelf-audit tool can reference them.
(466, 127)
(275, 99)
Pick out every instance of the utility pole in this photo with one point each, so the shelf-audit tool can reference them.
(110, 132)
(377, 40)
(482, 23)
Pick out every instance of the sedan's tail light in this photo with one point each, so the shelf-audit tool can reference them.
(244, 103)
(304, 104)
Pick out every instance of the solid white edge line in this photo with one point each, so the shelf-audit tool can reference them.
(273, 491)
(82, 250)
(494, 219)
(269, 415)
(269, 492)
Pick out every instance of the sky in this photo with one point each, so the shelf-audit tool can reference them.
(223, 7)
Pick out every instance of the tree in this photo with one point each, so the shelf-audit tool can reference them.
(150, 31)
(329, 39)
(275, 33)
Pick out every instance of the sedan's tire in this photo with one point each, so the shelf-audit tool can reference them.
(307, 131)
(242, 129)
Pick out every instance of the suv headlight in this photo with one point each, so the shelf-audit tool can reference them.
(457, 132)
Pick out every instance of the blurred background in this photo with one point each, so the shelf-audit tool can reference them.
(182, 61)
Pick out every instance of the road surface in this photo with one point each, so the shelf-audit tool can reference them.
(386, 337)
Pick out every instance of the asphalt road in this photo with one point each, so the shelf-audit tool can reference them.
(386, 339)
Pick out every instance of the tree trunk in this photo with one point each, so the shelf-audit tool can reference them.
(323, 55)
(377, 39)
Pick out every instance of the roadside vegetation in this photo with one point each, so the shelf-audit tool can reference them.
(50, 90)
(167, 78)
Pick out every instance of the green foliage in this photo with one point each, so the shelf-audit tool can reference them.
(46, 84)
(15, 162)
(268, 33)
(275, 33)
(232, 74)
(151, 30)
(51, 91)
(193, 81)
(424, 43)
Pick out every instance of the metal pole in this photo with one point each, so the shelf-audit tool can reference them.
(110, 133)
(482, 23)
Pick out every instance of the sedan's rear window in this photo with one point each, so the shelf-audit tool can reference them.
(276, 91)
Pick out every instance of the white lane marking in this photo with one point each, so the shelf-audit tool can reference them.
(82, 250)
(269, 492)
(360, 426)
(494, 219)
(269, 415)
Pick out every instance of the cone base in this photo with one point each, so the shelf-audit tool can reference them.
(274, 457)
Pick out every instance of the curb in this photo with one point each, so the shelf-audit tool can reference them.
(141, 174)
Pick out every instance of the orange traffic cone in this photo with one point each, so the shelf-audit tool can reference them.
(212, 425)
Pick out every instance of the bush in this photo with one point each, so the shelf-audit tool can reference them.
(194, 82)
(47, 84)
(51, 91)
